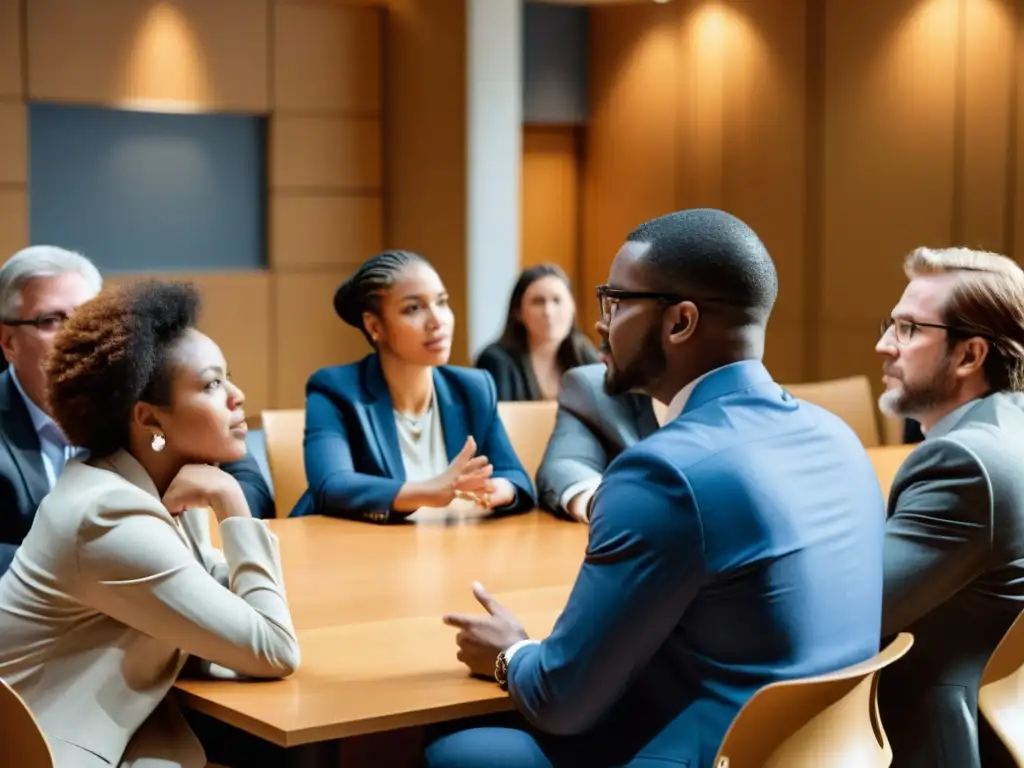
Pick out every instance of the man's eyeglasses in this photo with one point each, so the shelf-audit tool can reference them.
(608, 298)
(904, 330)
(53, 321)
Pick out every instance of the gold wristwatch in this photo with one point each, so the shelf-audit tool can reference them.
(501, 671)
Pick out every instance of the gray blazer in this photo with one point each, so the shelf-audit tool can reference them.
(954, 577)
(591, 429)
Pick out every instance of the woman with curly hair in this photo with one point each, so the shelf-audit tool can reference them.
(116, 583)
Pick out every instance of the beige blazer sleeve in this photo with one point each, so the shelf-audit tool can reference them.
(136, 567)
(197, 523)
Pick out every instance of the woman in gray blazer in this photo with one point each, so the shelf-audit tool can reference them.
(116, 584)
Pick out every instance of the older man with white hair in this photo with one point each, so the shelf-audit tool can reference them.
(40, 287)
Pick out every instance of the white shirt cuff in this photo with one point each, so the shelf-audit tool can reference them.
(514, 649)
(576, 489)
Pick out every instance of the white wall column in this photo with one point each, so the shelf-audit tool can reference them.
(494, 143)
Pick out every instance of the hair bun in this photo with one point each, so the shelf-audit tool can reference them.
(346, 306)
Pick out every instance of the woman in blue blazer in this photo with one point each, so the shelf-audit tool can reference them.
(401, 430)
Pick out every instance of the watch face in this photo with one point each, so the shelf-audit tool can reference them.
(501, 668)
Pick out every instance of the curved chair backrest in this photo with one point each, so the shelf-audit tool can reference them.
(887, 460)
(828, 720)
(850, 399)
(284, 431)
(529, 425)
(24, 743)
(1001, 693)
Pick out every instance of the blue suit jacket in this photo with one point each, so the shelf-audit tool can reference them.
(740, 544)
(353, 461)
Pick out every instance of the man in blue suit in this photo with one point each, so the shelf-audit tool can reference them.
(738, 545)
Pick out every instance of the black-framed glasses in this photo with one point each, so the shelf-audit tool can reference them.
(608, 298)
(905, 329)
(52, 321)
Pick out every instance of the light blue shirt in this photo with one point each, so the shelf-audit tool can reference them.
(56, 449)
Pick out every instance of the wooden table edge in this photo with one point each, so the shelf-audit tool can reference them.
(347, 729)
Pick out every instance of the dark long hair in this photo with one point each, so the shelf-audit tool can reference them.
(572, 351)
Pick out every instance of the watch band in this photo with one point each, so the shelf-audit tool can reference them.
(501, 671)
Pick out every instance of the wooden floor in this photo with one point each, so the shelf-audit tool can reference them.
(367, 602)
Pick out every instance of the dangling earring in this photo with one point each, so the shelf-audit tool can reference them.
(158, 442)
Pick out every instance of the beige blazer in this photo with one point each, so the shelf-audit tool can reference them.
(109, 595)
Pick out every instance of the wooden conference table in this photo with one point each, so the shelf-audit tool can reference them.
(367, 602)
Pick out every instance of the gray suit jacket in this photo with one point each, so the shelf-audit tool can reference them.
(591, 429)
(109, 595)
(954, 577)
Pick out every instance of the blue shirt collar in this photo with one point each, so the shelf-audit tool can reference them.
(40, 418)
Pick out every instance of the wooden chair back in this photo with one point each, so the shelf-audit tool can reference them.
(529, 426)
(850, 399)
(887, 460)
(24, 743)
(828, 720)
(284, 431)
(1001, 693)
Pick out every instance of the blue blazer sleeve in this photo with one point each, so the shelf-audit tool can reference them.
(254, 486)
(337, 489)
(643, 566)
(496, 446)
(7, 552)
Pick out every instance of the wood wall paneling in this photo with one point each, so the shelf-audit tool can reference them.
(13, 144)
(10, 50)
(307, 333)
(705, 32)
(425, 140)
(236, 314)
(339, 3)
(846, 134)
(890, 99)
(986, 74)
(550, 199)
(317, 232)
(785, 349)
(325, 153)
(327, 58)
(13, 220)
(326, 209)
(202, 53)
(632, 138)
(765, 144)
(702, 104)
(1016, 159)
(849, 350)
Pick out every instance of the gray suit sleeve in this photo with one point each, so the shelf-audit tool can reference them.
(939, 535)
(574, 453)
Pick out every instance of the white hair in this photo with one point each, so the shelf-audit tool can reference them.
(40, 261)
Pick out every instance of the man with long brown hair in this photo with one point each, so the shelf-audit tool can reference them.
(954, 546)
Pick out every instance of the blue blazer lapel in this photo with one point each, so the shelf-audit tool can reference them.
(728, 380)
(380, 410)
(17, 431)
(452, 411)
